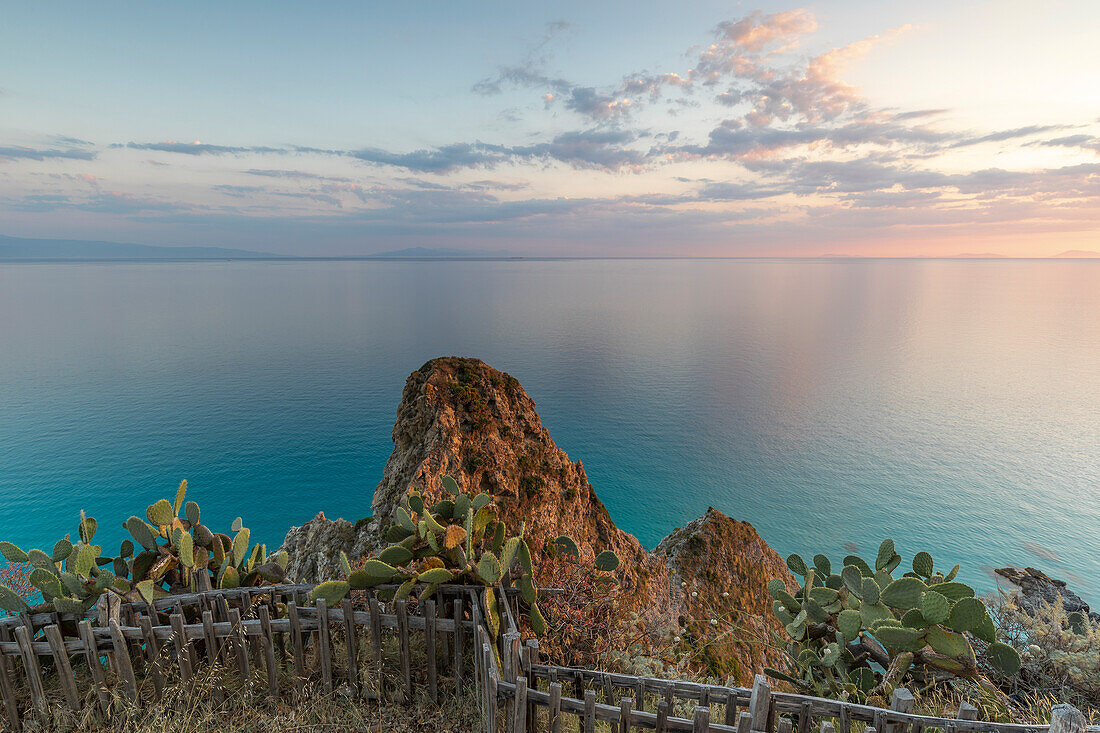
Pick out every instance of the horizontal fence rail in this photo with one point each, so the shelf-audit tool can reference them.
(719, 709)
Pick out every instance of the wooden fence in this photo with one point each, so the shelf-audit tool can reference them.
(274, 629)
(263, 628)
(648, 703)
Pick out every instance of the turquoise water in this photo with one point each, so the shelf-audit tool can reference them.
(951, 405)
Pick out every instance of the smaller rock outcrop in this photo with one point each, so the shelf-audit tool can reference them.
(719, 568)
(1038, 589)
(315, 548)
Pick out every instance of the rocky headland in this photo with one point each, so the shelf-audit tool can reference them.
(461, 417)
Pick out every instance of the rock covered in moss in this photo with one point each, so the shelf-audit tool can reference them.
(719, 568)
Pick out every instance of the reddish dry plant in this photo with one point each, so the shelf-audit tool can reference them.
(586, 613)
(17, 576)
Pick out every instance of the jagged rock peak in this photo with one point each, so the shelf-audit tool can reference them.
(461, 417)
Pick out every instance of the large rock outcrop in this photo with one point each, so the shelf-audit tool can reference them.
(461, 417)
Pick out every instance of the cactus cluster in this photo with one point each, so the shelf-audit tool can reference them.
(169, 553)
(861, 631)
(458, 540)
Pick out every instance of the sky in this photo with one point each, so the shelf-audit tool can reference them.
(555, 129)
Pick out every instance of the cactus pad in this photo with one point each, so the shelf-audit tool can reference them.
(797, 565)
(160, 514)
(904, 593)
(934, 607)
(1003, 658)
(607, 561)
(489, 568)
(333, 591)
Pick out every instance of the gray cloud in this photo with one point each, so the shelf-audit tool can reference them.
(1002, 135)
(1085, 142)
(197, 148)
(45, 154)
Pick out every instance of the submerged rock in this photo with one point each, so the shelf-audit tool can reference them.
(461, 417)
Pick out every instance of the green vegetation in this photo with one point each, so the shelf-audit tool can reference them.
(917, 628)
(1060, 653)
(456, 540)
(169, 553)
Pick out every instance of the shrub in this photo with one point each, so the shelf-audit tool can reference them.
(1060, 653)
(16, 576)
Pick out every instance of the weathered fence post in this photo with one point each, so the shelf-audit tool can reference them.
(510, 649)
(122, 658)
(662, 716)
(589, 711)
(901, 701)
(517, 721)
(458, 645)
(760, 703)
(700, 720)
(297, 645)
(240, 648)
(555, 707)
(179, 637)
(625, 708)
(403, 642)
(6, 689)
(34, 671)
(531, 658)
(1067, 719)
(267, 639)
(967, 711)
(63, 668)
(324, 641)
(152, 653)
(845, 719)
(352, 645)
(429, 649)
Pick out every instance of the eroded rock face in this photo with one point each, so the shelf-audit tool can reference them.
(461, 417)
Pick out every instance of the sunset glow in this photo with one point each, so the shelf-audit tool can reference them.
(721, 130)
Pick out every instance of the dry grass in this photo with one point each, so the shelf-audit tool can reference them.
(216, 700)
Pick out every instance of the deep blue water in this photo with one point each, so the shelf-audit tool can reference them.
(951, 405)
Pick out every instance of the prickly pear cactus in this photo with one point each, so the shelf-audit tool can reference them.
(458, 540)
(170, 553)
(860, 632)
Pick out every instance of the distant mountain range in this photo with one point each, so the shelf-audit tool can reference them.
(19, 248)
(22, 248)
(442, 252)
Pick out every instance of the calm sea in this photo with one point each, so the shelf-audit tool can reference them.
(951, 405)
